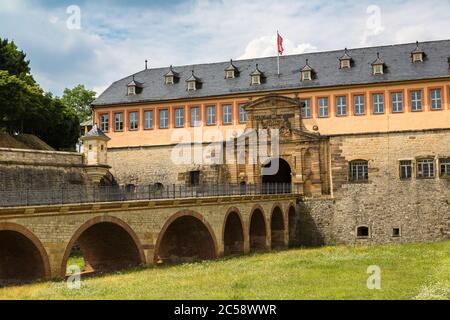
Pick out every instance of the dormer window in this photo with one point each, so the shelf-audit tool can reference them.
(231, 71)
(131, 90)
(192, 86)
(256, 76)
(345, 61)
(448, 60)
(169, 80)
(378, 66)
(193, 82)
(418, 54)
(134, 87)
(170, 77)
(306, 72)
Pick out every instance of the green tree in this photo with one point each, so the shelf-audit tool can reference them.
(24, 108)
(79, 100)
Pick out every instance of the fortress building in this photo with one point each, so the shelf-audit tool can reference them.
(364, 134)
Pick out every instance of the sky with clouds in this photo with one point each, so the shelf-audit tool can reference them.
(115, 37)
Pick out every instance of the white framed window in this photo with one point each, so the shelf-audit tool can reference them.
(341, 106)
(359, 170)
(192, 85)
(436, 99)
(242, 114)
(417, 57)
(229, 74)
(211, 115)
(195, 117)
(425, 168)
(306, 108)
(148, 119)
(169, 80)
(416, 100)
(134, 120)
(164, 119)
(359, 105)
(378, 69)
(378, 103)
(179, 118)
(345, 64)
(118, 121)
(131, 90)
(397, 102)
(405, 169)
(323, 107)
(306, 75)
(256, 80)
(227, 114)
(104, 122)
(445, 167)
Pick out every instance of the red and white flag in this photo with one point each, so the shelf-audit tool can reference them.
(280, 44)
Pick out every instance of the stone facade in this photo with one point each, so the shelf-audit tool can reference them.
(392, 209)
(417, 208)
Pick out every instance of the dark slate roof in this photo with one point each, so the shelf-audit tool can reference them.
(96, 132)
(326, 68)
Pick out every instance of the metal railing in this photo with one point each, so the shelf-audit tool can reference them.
(76, 194)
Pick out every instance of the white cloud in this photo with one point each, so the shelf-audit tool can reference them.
(115, 39)
(267, 46)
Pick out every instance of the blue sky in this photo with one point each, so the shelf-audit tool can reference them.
(117, 36)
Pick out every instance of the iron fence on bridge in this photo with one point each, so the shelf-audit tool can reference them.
(76, 194)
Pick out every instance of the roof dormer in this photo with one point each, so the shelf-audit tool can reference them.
(345, 60)
(256, 76)
(134, 87)
(171, 77)
(193, 83)
(378, 66)
(417, 55)
(231, 71)
(306, 72)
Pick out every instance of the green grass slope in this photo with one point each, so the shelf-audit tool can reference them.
(414, 271)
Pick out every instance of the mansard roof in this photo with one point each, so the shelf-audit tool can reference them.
(328, 74)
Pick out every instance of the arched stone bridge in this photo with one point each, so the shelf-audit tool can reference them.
(36, 242)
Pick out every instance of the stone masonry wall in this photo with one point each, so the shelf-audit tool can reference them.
(418, 207)
(151, 165)
(32, 169)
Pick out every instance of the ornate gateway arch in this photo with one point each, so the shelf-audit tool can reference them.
(302, 154)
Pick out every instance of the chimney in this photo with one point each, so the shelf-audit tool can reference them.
(146, 62)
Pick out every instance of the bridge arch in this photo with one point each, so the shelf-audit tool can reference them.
(233, 233)
(258, 230)
(22, 255)
(185, 237)
(277, 227)
(107, 243)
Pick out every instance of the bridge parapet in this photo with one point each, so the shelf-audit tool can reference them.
(91, 194)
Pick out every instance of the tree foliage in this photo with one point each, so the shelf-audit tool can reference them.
(25, 108)
(79, 100)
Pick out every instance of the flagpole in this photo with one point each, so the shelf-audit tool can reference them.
(278, 59)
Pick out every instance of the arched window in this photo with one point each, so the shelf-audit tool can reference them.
(359, 171)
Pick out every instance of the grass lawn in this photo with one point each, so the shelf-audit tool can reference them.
(417, 271)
